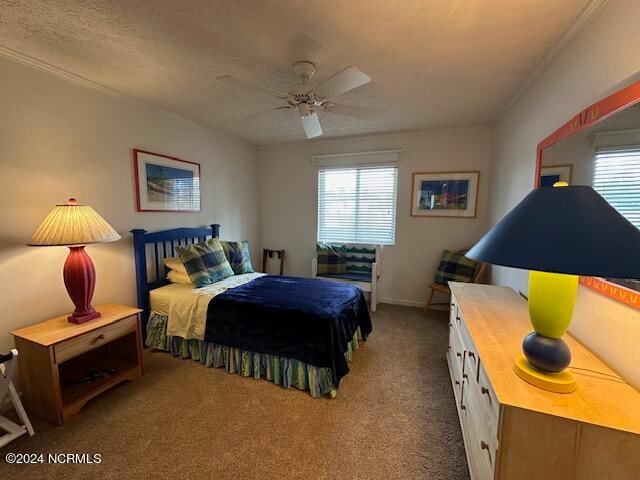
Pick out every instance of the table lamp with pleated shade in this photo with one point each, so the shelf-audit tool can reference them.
(74, 225)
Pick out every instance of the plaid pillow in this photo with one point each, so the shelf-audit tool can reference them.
(238, 255)
(359, 258)
(205, 262)
(455, 266)
(330, 259)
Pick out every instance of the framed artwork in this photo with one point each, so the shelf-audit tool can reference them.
(551, 174)
(165, 184)
(445, 194)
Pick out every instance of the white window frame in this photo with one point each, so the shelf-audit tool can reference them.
(359, 161)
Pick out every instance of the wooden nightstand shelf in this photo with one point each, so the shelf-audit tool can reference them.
(56, 356)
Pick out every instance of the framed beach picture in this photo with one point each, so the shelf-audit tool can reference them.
(551, 174)
(445, 194)
(166, 184)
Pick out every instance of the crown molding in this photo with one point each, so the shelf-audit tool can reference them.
(583, 19)
(63, 74)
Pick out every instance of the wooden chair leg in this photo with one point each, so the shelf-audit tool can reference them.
(428, 305)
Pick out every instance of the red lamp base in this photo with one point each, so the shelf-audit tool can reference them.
(80, 279)
(73, 318)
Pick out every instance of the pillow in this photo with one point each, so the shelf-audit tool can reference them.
(238, 255)
(175, 276)
(456, 267)
(330, 259)
(174, 263)
(205, 262)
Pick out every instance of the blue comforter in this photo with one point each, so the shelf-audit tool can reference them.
(308, 319)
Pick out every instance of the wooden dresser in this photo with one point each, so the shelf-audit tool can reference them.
(513, 430)
(63, 365)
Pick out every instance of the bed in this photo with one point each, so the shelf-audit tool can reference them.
(292, 331)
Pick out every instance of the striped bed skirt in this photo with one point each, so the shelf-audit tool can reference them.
(286, 372)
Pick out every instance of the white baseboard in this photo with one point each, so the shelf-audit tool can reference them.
(403, 302)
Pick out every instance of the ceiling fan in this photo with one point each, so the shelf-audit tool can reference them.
(308, 100)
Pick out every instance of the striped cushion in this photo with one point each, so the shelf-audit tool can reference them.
(238, 255)
(456, 267)
(205, 262)
(330, 259)
(359, 258)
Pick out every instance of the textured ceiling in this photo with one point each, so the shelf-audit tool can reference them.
(434, 63)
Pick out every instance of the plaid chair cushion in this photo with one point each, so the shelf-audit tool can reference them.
(455, 266)
(205, 262)
(238, 255)
(330, 259)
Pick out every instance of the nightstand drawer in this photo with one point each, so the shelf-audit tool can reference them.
(88, 341)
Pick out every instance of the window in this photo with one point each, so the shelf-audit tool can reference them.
(357, 204)
(616, 176)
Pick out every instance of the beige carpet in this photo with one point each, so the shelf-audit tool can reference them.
(394, 418)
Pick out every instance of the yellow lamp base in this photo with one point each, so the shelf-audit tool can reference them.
(562, 382)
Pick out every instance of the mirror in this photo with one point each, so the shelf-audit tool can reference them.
(600, 147)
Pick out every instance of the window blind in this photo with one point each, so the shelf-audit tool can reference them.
(616, 176)
(357, 204)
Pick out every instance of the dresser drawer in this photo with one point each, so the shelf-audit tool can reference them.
(456, 377)
(456, 347)
(482, 417)
(481, 454)
(88, 341)
(488, 397)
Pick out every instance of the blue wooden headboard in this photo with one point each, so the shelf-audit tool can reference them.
(150, 250)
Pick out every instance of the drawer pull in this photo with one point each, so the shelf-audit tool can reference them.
(98, 338)
(485, 391)
(457, 382)
(462, 406)
(465, 376)
(458, 354)
(471, 354)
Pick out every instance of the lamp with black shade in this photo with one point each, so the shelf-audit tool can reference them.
(559, 233)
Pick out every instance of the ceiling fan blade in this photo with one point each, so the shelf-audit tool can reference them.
(249, 86)
(311, 125)
(342, 82)
(364, 113)
(271, 110)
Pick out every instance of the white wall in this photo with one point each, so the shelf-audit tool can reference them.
(598, 61)
(288, 208)
(57, 140)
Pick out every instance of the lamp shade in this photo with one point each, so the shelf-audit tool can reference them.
(73, 224)
(563, 230)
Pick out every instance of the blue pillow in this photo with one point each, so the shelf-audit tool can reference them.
(238, 255)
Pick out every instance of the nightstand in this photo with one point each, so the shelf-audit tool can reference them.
(63, 365)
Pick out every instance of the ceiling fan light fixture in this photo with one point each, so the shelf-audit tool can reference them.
(304, 109)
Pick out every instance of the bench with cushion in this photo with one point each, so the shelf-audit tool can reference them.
(358, 264)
